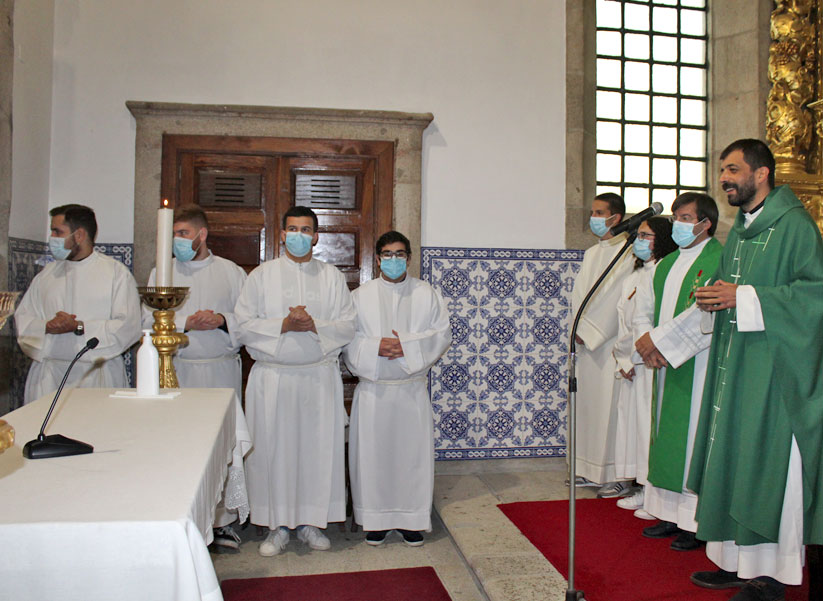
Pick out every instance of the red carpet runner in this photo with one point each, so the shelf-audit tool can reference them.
(613, 560)
(407, 584)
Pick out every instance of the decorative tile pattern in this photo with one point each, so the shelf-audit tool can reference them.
(26, 259)
(500, 390)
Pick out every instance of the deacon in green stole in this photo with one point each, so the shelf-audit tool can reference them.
(678, 385)
(671, 411)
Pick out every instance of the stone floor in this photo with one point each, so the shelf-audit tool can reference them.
(477, 552)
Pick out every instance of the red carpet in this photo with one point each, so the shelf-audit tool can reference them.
(613, 561)
(407, 584)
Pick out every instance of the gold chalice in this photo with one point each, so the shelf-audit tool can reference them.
(164, 299)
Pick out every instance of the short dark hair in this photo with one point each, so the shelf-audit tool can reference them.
(191, 213)
(616, 204)
(77, 216)
(390, 238)
(706, 207)
(755, 153)
(300, 211)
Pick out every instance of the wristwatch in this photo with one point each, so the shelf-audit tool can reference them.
(80, 329)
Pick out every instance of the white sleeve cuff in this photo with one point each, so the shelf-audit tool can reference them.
(749, 313)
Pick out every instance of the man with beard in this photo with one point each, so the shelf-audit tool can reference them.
(756, 466)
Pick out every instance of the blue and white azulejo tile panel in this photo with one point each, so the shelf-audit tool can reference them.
(501, 389)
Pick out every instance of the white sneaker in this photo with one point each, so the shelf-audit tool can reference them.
(644, 515)
(632, 502)
(313, 538)
(275, 542)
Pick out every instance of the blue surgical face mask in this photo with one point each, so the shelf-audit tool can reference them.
(183, 249)
(642, 249)
(598, 226)
(57, 248)
(298, 244)
(394, 268)
(683, 233)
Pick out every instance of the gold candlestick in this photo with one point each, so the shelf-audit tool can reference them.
(163, 299)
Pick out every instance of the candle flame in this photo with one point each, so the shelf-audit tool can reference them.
(165, 202)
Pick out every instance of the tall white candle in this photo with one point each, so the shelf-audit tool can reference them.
(165, 221)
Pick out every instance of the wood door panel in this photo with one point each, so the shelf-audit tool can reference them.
(247, 231)
(245, 249)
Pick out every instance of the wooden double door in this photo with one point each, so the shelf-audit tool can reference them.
(246, 184)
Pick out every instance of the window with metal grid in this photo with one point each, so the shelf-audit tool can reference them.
(652, 99)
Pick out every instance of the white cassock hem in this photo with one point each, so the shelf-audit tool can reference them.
(782, 560)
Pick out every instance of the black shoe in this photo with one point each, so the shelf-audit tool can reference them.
(661, 530)
(686, 541)
(376, 537)
(761, 588)
(412, 538)
(717, 579)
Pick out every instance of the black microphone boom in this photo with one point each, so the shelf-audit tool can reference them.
(631, 224)
(57, 445)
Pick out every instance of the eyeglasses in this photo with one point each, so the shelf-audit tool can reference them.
(400, 254)
(645, 236)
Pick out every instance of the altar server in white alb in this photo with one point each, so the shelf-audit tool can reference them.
(295, 315)
(402, 330)
(212, 357)
(596, 335)
(82, 294)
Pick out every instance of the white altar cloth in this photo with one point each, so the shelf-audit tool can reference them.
(130, 520)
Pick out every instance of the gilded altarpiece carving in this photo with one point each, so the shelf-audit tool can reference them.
(794, 114)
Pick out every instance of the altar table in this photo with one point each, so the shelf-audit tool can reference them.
(132, 519)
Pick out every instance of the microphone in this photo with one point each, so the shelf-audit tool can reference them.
(57, 445)
(633, 223)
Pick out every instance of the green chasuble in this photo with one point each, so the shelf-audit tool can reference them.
(762, 387)
(670, 423)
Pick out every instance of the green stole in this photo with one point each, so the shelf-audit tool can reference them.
(670, 430)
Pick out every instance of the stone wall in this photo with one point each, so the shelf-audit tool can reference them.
(6, 83)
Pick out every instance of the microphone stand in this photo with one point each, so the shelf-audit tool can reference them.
(57, 445)
(571, 593)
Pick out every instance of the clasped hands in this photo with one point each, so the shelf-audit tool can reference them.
(204, 320)
(390, 347)
(652, 357)
(61, 323)
(298, 320)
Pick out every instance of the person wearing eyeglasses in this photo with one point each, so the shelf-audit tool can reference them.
(402, 329)
(295, 315)
(633, 381)
(677, 397)
(596, 335)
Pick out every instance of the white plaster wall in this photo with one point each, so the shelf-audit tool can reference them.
(492, 73)
(31, 118)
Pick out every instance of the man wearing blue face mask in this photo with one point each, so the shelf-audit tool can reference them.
(677, 397)
(212, 357)
(295, 314)
(596, 336)
(402, 330)
(82, 294)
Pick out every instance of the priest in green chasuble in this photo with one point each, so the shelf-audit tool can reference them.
(678, 387)
(757, 454)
